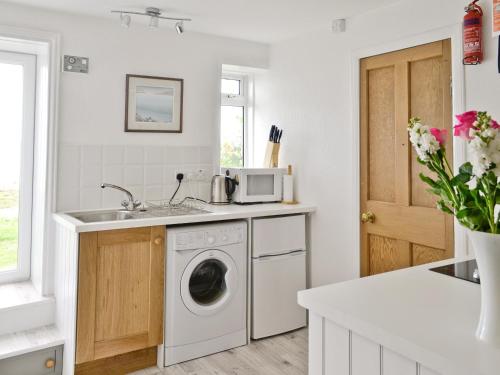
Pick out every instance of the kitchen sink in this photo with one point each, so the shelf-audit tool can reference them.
(118, 215)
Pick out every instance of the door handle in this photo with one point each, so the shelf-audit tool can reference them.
(367, 217)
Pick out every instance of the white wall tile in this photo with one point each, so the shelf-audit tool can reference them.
(91, 155)
(154, 154)
(113, 174)
(90, 198)
(204, 191)
(147, 171)
(168, 190)
(69, 167)
(91, 176)
(134, 155)
(169, 175)
(173, 155)
(190, 155)
(134, 175)
(112, 198)
(153, 175)
(68, 199)
(206, 156)
(153, 192)
(113, 155)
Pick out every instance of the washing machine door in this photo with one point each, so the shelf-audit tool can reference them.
(209, 282)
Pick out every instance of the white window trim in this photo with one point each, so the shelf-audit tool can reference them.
(28, 62)
(241, 100)
(46, 46)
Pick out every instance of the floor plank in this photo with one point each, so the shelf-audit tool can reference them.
(279, 355)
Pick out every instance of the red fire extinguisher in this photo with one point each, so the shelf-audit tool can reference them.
(473, 34)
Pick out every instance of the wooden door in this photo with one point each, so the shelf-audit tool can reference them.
(120, 292)
(407, 228)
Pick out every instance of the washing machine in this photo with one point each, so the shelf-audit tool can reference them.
(206, 290)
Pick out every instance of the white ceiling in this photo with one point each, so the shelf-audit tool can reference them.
(265, 21)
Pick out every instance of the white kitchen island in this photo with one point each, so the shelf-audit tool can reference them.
(407, 322)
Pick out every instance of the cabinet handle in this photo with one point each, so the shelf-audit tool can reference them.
(158, 241)
(50, 363)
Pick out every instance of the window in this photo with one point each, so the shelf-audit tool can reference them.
(17, 111)
(233, 121)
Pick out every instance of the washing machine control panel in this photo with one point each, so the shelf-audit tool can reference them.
(208, 238)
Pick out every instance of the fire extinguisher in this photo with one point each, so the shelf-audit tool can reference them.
(473, 34)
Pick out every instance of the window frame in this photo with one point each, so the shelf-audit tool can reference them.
(241, 100)
(29, 63)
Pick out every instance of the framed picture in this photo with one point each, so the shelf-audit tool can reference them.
(153, 104)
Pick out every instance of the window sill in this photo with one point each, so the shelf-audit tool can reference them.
(23, 308)
(20, 343)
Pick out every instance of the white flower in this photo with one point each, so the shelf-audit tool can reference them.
(423, 141)
(484, 152)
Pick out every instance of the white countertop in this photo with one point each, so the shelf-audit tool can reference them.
(423, 315)
(217, 213)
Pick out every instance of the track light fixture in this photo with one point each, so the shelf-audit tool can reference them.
(179, 27)
(153, 22)
(125, 20)
(154, 15)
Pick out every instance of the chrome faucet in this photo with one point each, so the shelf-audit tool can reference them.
(131, 204)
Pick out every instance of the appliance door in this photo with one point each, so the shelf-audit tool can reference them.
(209, 282)
(278, 235)
(275, 283)
(260, 185)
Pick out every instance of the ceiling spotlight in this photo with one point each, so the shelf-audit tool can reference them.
(179, 27)
(153, 22)
(125, 20)
(154, 15)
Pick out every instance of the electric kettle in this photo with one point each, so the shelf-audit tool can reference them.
(223, 188)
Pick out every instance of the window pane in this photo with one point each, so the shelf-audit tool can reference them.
(231, 136)
(11, 119)
(230, 86)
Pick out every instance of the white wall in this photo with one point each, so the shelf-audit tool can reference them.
(91, 105)
(307, 91)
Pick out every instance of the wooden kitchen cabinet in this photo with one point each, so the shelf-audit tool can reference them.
(120, 292)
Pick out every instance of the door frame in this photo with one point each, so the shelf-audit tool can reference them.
(453, 32)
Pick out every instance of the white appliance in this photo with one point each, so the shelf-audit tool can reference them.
(278, 273)
(206, 298)
(257, 185)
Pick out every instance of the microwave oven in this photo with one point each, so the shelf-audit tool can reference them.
(257, 185)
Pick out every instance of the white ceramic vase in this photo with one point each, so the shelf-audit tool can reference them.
(487, 250)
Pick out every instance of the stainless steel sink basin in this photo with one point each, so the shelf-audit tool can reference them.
(117, 215)
(114, 215)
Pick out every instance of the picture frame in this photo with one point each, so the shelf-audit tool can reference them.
(153, 104)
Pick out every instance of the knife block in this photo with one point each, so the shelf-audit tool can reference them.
(272, 155)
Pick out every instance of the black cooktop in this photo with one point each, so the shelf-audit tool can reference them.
(463, 270)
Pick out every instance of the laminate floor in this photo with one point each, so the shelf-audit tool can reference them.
(279, 355)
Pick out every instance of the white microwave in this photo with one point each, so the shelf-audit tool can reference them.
(257, 185)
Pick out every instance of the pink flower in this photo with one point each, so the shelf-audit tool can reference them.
(465, 124)
(467, 117)
(494, 124)
(440, 135)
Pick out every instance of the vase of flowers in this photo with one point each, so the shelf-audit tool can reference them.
(472, 196)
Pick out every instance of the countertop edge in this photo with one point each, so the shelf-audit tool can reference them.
(218, 214)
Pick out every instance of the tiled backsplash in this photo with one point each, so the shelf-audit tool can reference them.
(147, 171)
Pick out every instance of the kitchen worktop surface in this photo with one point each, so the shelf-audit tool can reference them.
(423, 315)
(216, 213)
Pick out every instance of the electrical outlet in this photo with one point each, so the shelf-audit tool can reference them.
(201, 175)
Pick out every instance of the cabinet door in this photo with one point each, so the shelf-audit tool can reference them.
(120, 292)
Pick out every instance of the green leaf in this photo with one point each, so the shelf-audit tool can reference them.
(443, 207)
(429, 181)
(461, 178)
(466, 169)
